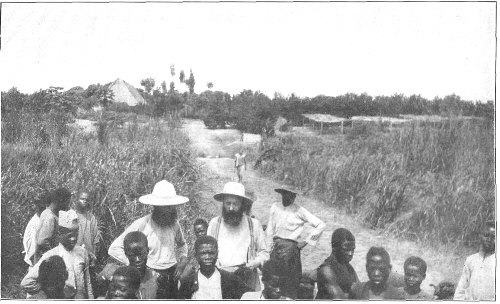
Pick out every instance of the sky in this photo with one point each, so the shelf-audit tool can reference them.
(432, 49)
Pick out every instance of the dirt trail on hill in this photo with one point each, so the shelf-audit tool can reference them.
(215, 150)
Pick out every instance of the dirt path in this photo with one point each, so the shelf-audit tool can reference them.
(216, 148)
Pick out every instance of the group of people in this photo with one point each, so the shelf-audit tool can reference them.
(234, 257)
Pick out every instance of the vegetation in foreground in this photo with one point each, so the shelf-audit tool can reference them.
(117, 171)
(422, 182)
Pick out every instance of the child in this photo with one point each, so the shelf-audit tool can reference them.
(47, 229)
(52, 276)
(378, 267)
(125, 283)
(415, 269)
(239, 163)
(136, 249)
(29, 240)
(88, 236)
(200, 227)
(75, 257)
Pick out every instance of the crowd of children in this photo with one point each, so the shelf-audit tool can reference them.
(234, 258)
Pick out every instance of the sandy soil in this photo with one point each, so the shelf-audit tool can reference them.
(217, 163)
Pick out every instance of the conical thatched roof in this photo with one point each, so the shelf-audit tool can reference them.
(125, 92)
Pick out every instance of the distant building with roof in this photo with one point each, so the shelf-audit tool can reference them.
(125, 92)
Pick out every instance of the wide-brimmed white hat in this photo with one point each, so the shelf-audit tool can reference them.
(163, 195)
(233, 189)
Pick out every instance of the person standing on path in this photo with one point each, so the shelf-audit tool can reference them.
(165, 238)
(477, 282)
(239, 163)
(285, 226)
(241, 239)
(336, 275)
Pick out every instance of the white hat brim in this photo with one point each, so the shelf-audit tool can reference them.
(220, 197)
(150, 199)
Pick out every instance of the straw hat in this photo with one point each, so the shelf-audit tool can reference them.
(233, 189)
(288, 189)
(68, 219)
(163, 195)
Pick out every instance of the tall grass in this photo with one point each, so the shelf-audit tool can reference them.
(116, 174)
(421, 181)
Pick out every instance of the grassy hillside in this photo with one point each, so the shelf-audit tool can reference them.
(421, 182)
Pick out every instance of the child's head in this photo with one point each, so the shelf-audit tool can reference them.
(378, 266)
(52, 276)
(68, 229)
(125, 283)
(200, 227)
(42, 202)
(488, 237)
(415, 269)
(82, 202)
(273, 278)
(135, 245)
(61, 198)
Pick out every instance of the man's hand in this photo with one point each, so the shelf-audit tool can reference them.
(301, 244)
(180, 268)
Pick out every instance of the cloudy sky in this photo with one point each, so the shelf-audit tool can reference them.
(432, 49)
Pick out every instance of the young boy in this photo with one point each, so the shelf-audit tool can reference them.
(75, 257)
(47, 229)
(477, 282)
(124, 284)
(239, 163)
(415, 269)
(52, 276)
(29, 240)
(136, 249)
(378, 266)
(200, 227)
(88, 235)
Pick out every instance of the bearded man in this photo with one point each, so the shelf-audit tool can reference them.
(165, 238)
(241, 239)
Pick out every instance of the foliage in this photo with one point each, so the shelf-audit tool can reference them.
(190, 82)
(117, 174)
(148, 84)
(421, 181)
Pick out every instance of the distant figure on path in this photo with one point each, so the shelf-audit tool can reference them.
(415, 269)
(477, 282)
(336, 275)
(165, 238)
(284, 228)
(29, 237)
(239, 163)
(378, 266)
(241, 239)
(47, 230)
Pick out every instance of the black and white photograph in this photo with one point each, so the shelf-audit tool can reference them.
(253, 150)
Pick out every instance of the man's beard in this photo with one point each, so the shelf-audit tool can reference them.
(165, 219)
(233, 218)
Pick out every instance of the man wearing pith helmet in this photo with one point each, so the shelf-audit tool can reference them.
(240, 238)
(165, 238)
(284, 229)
